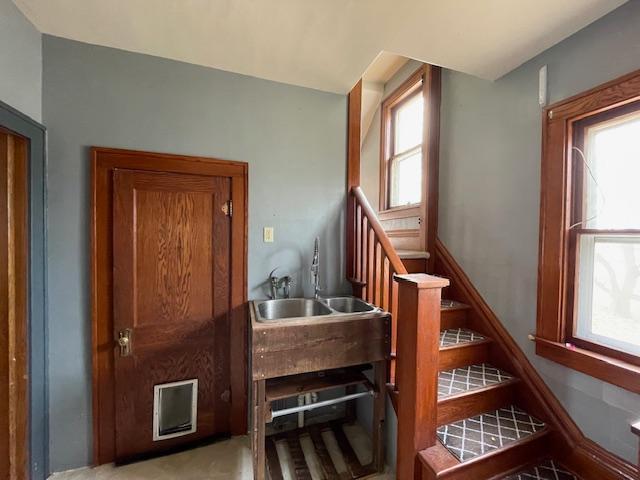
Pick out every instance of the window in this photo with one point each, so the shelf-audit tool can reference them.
(409, 149)
(405, 162)
(401, 155)
(606, 229)
(589, 272)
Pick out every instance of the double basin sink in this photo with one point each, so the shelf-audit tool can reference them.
(290, 308)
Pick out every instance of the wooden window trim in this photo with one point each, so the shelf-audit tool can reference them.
(557, 250)
(399, 96)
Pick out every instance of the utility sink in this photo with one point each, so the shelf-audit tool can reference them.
(299, 335)
(301, 308)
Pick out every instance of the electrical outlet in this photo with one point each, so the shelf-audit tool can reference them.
(268, 235)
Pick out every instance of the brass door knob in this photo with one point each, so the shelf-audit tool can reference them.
(124, 342)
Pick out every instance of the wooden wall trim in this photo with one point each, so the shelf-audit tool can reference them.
(354, 120)
(432, 90)
(104, 161)
(616, 372)
(14, 332)
(583, 455)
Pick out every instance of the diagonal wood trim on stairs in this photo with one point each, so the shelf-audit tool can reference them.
(582, 455)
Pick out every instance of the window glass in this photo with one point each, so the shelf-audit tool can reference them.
(609, 291)
(612, 176)
(406, 178)
(408, 119)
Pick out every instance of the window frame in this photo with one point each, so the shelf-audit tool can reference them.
(428, 78)
(403, 94)
(563, 127)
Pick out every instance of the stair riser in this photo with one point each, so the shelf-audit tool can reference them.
(453, 319)
(468, 354)
(475, 402)
(495, 463)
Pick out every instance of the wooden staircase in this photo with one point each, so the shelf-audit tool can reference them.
(483, 432)
(469, 403)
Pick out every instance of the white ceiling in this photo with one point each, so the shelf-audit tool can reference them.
(323, 44)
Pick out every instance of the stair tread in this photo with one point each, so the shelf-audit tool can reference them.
(547, 470)
(412, 254)
(471, 377)
(476, 436)
(457, 336)
(453, 305)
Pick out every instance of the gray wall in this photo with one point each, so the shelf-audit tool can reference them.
(490, 194)
(20, 62)
(293, 139)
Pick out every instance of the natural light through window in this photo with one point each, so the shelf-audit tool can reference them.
(609, 248)
(406, 157)
(613, 153)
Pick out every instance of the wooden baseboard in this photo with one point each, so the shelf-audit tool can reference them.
(582, 455)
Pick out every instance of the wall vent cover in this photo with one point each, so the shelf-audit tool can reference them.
(175, 409)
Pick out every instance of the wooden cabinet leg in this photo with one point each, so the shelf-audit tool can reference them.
(380, 378)
(258, 430)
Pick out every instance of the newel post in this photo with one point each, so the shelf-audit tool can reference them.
(418, 344)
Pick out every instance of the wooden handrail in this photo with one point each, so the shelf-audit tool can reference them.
(383, 238)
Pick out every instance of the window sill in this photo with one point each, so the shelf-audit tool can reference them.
(623, 374)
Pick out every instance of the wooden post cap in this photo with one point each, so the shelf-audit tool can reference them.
(422, 280)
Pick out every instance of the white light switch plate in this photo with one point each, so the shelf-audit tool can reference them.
(268, 235)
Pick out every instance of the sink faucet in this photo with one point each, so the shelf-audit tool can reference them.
(276, 284)
(315, 269)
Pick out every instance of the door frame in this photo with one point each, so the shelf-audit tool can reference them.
(36, 434)
(103, 162)
(14, 294)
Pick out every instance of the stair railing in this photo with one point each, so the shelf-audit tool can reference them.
(372, 262)
(378, 276)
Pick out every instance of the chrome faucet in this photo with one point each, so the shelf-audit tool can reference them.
(276, 284)
(315, 269)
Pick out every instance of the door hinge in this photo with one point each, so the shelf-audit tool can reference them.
(227, 208)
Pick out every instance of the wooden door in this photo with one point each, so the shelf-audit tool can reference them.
(171, 274)
(14, 398)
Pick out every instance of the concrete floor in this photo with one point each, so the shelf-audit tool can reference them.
(228, 460)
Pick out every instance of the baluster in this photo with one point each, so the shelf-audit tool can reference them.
(385, 283)
(358, 245)
(378, 284)
(363, 258)
(371, 268)
(393, 309)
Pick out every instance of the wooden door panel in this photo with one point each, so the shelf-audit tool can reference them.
(167, 269)
(171, 288)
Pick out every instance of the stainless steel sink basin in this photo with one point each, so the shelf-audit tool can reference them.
(291, 308)
(348, 305)
(299, 308)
